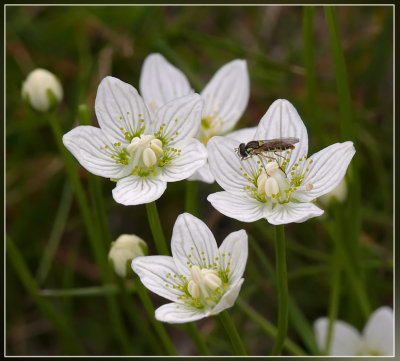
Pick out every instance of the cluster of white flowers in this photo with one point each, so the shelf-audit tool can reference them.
(171, 133)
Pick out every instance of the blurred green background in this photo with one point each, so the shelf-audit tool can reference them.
(289, 55)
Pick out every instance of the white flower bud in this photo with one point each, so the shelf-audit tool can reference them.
(124, 250)
(42, 90)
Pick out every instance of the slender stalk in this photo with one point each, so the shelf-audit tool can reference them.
(55, 235)
(156, 229)
(232, 332)
(191, 197)
(67, 336)
(282, 286)
(268, 327)
(158, 326)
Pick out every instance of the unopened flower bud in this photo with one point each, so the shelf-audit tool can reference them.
(42, 90)
(124, 250)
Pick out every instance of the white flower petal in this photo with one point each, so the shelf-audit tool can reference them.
(203, 174)
(87, 144)
(281, 121)
(191, 236)
(241, 207)
(378, 333)
(327, 169)
(178, 313)
(156, 272)
(345, 341)
(292, 212)
(227, 93)
(180, 118)
(118, 105)
(193, 156)
(226, 165)
(244, 135)
(161, 82)
(133, 190)
(236, 245)
(229, 298)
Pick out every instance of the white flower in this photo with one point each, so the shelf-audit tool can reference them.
(375, 340)
(280, 189)
(225, 97)
(200, 279)
(140, 151)
(36, 88)
(124, 249)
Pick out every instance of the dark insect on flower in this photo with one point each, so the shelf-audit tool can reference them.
(261, 147)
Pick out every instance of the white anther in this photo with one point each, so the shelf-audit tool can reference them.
(149, 157)
(212, 281)
(196, 274)
(309, 186)
(134, 145)
(156, 145)
(261, 182)
(194, 289)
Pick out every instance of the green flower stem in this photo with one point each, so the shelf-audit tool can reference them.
(55, 235)
(161, 246)
(156, 229)
(68, 337)
(268, 327)
(158, 326)
(232, 332)
(191, 197)
(282, 286)
(334, 297)
(93, 233)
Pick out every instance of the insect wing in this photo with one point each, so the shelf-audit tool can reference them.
(277, 144)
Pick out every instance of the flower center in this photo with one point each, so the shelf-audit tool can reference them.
(210, 126)
(145, 150)
(203, 282)
(274, 182)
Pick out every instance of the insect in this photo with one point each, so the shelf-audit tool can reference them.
(260, 147)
